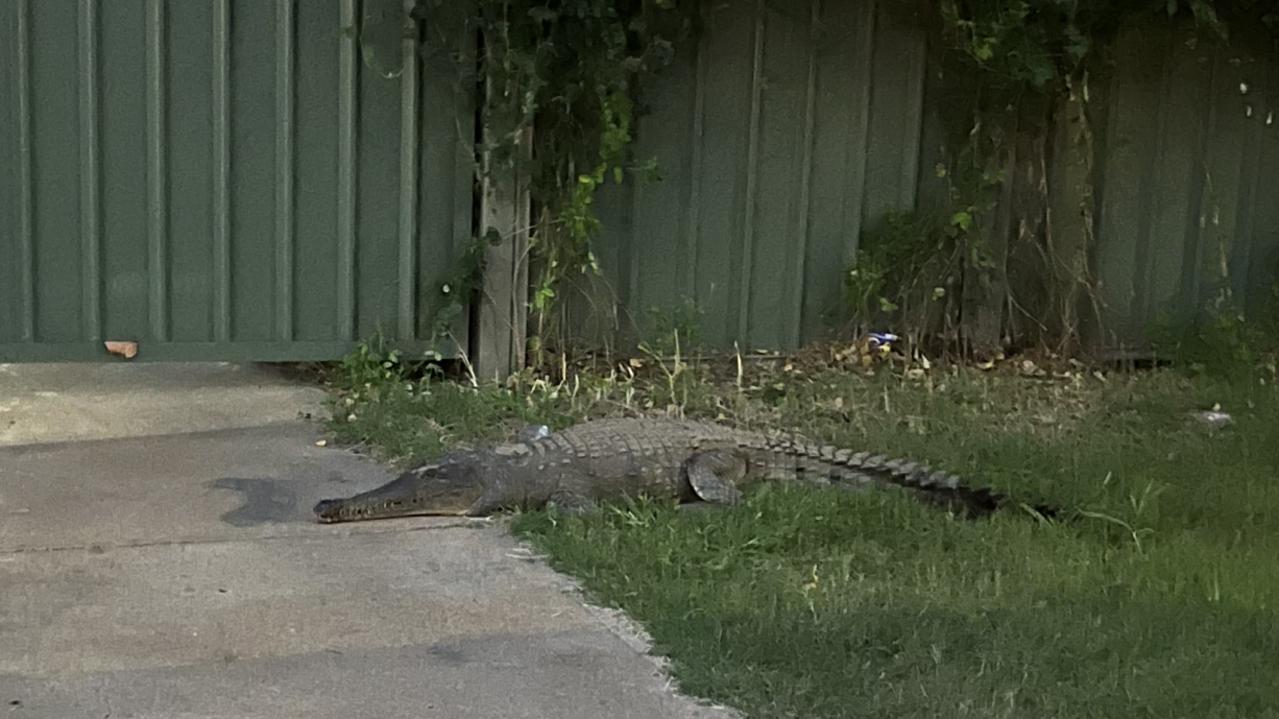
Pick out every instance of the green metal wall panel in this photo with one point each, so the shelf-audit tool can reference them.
(12, 176)
(792, 125)
(224, 179)
(787, 127)
(1190, 163)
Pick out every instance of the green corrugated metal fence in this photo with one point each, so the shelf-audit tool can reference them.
(254, 179)
(787, 128)
(1189, 202)
(223, 179)
(792, 125)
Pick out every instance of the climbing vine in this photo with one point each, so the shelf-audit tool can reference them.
(569, 74)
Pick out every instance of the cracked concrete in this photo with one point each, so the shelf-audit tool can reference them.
(170, 569)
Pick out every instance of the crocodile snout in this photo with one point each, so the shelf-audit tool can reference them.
(327, 510)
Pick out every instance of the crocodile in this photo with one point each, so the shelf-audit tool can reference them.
(578, 468)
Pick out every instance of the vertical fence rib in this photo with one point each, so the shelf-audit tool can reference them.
(157, 210)
(407, 256)
(858, 147)
(806, 176)
(346, 174)
(221, 171)
(1192, 267)
(752, 174)
(90, 197)
(26, 203)
(695, 172)
(1148, 198)
(914, 114)
(284, 220)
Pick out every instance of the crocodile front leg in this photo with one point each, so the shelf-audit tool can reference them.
(571, 503)
(714, 475)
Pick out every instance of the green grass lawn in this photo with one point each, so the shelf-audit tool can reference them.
(1156, 597)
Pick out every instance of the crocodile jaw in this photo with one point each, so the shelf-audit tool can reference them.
(448, 488)
(352, 509)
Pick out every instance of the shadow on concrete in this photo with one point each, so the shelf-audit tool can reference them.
(265, 501)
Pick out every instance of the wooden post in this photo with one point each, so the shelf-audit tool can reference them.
(986, 288)
(499, 344)
(1071, 210)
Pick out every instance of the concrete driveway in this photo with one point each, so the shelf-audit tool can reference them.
(157, 559)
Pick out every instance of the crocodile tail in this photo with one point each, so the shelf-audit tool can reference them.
(933, 485)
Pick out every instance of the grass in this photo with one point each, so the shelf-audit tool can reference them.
(1157, 598)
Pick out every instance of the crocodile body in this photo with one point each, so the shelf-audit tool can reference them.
(609, 459)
